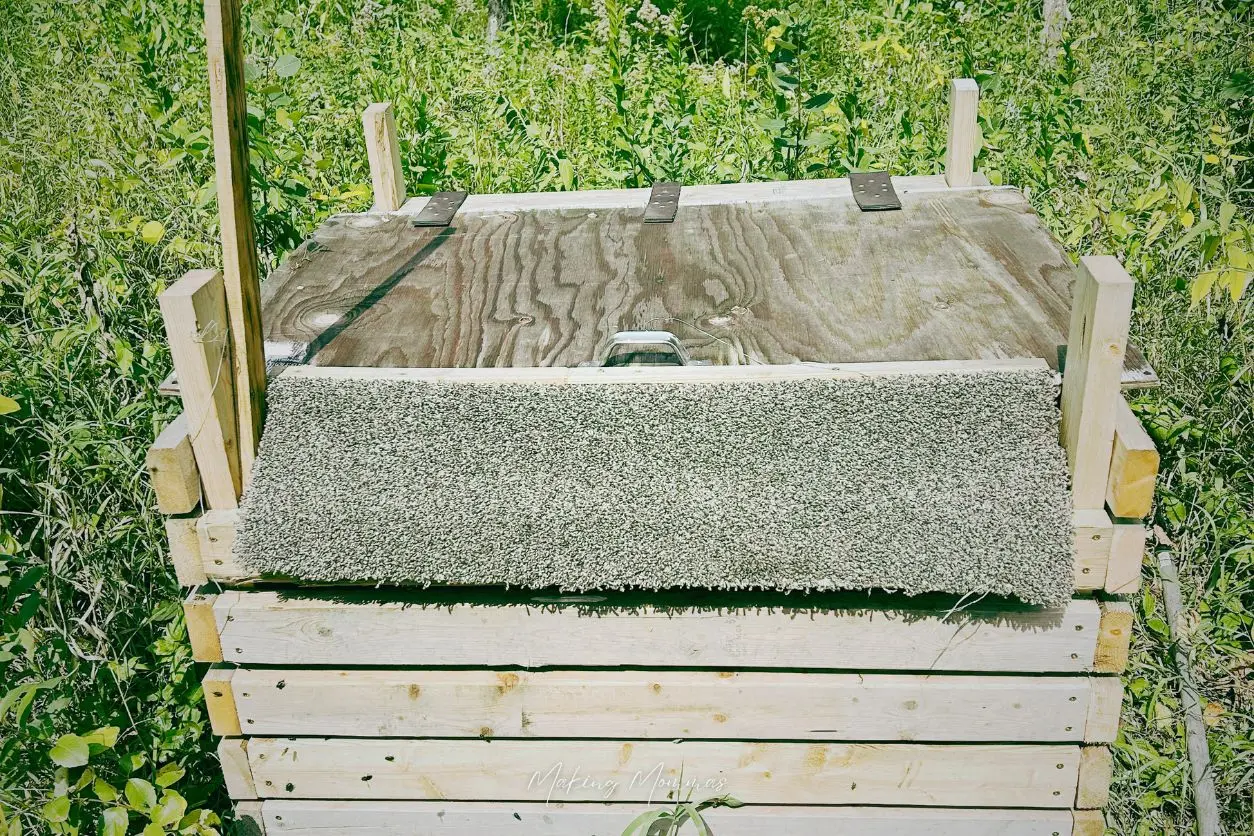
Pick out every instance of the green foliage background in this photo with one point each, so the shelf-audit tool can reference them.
(1134, 139)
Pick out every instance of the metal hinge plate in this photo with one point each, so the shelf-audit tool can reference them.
(663, 203)
(440, 209)
(873, 190)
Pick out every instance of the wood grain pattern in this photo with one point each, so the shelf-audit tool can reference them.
(278, 629)
(602, 770)
(1115, 638)
(663, 705)
(406, 818)
(962, 274)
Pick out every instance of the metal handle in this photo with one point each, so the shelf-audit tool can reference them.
(645, 348)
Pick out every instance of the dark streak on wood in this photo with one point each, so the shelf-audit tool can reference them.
(957, 275)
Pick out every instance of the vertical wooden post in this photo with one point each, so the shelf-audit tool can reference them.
(964, 108)
(235, 213)
(194, 309)
(385, 157)
(1101, 308)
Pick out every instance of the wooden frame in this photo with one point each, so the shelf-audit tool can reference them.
(933, 727)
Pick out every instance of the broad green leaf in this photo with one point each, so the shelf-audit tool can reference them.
(114, 822)
(8, 405)
(170, 810)
(105, 736)
(70, 750)
(1202, 285)
(153, 830)
(57, 810)
(819, 101)
(140, 794)
(286, 66)
(152, 232)
(105, 791)
(169, 774)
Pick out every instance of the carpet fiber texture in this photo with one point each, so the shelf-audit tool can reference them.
(918, 483)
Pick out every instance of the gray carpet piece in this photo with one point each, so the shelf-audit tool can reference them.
(918, 483)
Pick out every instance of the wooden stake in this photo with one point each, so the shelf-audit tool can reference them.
(194, 309)
(1127, 553)
(385, 157)
(229, 112)
(964, 108)
(1101, 308)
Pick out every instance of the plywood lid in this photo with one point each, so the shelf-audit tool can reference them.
(747, 273)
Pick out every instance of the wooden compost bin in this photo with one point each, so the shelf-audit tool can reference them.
(389, 711)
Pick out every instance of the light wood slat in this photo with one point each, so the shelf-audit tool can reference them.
(778, 773)
(964, 108)
(836, 188)
(185, 550)
(384, 153)
(407, 818)
(1100, 314)
(171, 467)
(202, 630)
(217, 529)
(662, 705)
(269, 628)
(194, 310)
(1105, 705)
(1096, 771)
(1087, 823)
(1127, 553)
(237, 769)
(666, 374)
(1093, 535)
(1133, 466)
(1115, 637)
(228, 110)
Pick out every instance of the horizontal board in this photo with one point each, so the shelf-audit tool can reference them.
(661, 705)
(419, 818)
(274, 628)
(1093, 547)
(596, 770)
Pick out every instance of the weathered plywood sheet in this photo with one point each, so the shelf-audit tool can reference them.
(273, 628)
(604, 770)
(661, 705)
(962, 274)
(406, 818)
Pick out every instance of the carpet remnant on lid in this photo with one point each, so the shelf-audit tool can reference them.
(949, 482)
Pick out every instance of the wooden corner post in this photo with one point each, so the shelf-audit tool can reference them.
(384, 153)
(964, 110)
(229, 112)
(1101, 309)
